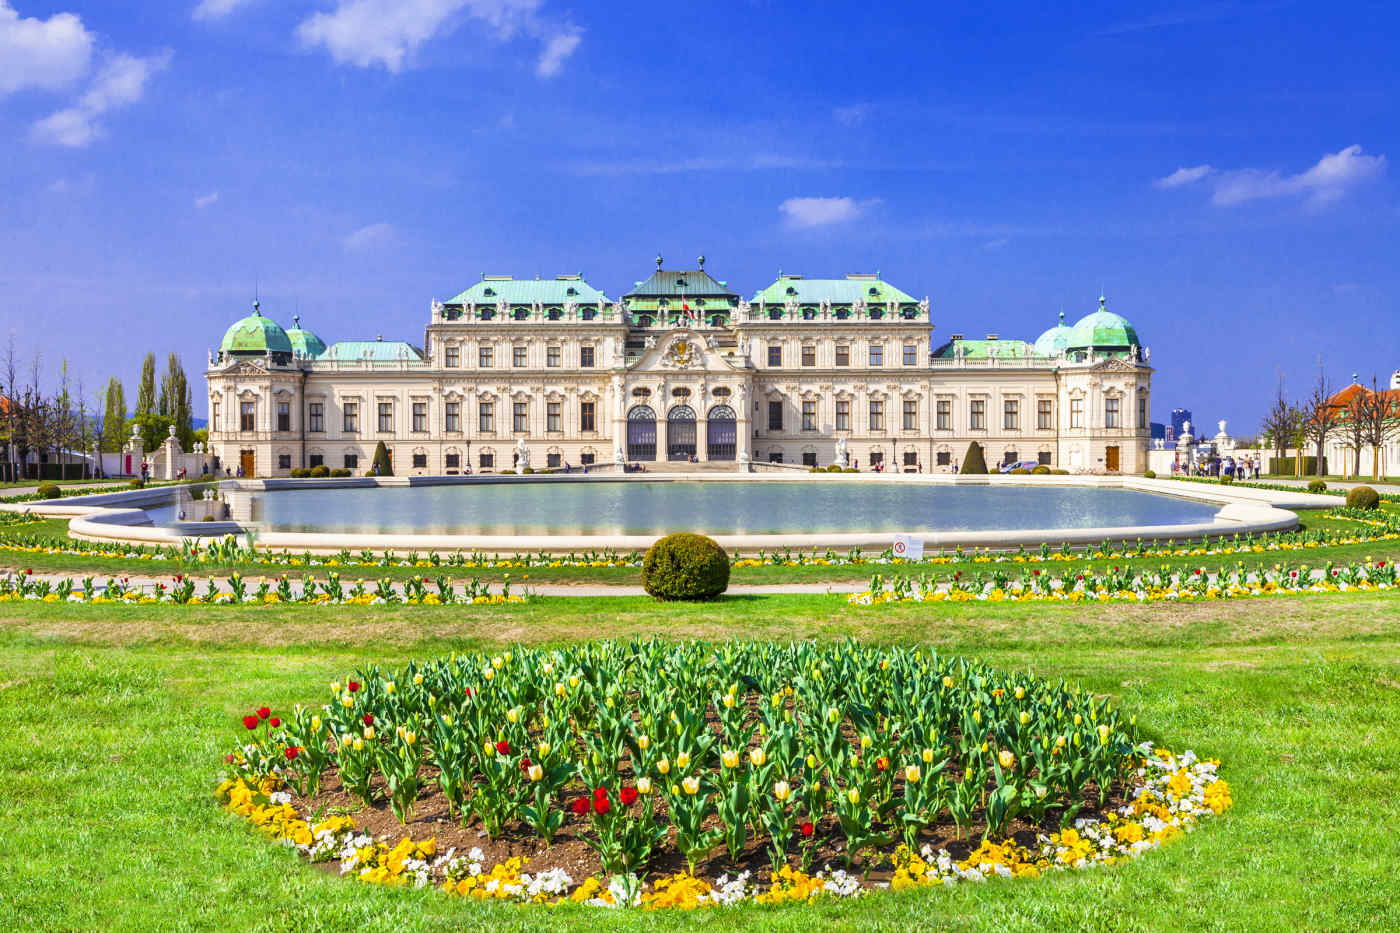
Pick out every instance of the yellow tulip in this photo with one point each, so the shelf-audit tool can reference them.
(359, 745)
(757, 757)
(489, 674)
(1103, 734)
(369, 732)
(1025, 718)
(643, 786)
(864, 742)
(664, 766)
(536, 773)
(418, 680)
(913, 773)
(573, 680)
(543, 749)
(496, 662)
(388, 686)
(728, 701)
(811, 761)
(513, 715)
(948, 682)
(833, 715)
(683, 760)
(729, 757)
(315, 723)
(853, 796)
(559, 690)
(927, 755)
(782, 791)
(1020, 693)
(691, 785)
(643, 742)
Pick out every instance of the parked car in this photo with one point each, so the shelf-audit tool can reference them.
(1018, 465)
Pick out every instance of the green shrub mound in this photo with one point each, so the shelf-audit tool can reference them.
(298, 473)
(380, 465)
(524, 470)
(1363, 497)
(973, 461)
(319, 471)
(1317, 485)
(1060, 472)
(49, 491)
(1149, 474)
(1226, 479)
(1020, 471)
(1041, 470)
(685, 566)
(505, 472)
(137, 483)
(340, 471)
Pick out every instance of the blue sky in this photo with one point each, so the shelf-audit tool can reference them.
(1224, 172)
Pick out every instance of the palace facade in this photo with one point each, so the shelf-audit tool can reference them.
(551, 372)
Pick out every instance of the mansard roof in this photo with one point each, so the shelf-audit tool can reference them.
(982, 349)
(854, 287)
(379, 351)
(493, 289)
(681, 283)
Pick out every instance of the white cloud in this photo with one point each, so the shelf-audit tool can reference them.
(387, 33)
(369, 236)
(804, 213)
(121, 81)
(1183, 176)
(557, 50)
(216, 9)
(206, 199)
(41, 53)
(853, 115)
(1334, 175)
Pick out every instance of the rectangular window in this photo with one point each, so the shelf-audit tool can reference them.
(1045, 414)
(775, 354)
(486, 417)
(809, 459)
(245, 416)
(386, 417)
(775, 416)
(843, 355)
(452, 358)
(1043, 458)
(520, 417)
(775, 457)
(911, 414)
(420, 461)
(945, 415)
(911, 354)
(877, 415)
(585, 357)
(944, 458)
(553, 461)
(517, 357)
(1011, 415)
(351, 411)
(214, 421)
(977, 415)
(352, 461)
(1110, 413)
(585, 416)
(486, 461)
(484, 357)
(452, 461)
(452, 416)
(877, 354)
(809, 355)
(551, 357)
(284, 416)
(553, 416)
(876, 457)
(843, 415)
(317, 416)
(284, 461)
(1076, 413)
(1142, 412)
(587, 459)
(315, 460)
(420, 416)
(809, 416)
(911, 459)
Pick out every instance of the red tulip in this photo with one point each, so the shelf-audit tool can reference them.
(353, 685)
(264, 712)
(628, 796)
(291, 751)
(503, 747)
(274, 722)
(250, 721)
(229, 758)
(601, 805)
(600, 793)
(369, 720)
(882, 763)
(580, 806)
(469, 693)
(807, 829)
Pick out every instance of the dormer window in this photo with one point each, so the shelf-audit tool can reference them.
(571, 290)
(874, 292)
(489, 293)
(680, 283)
(555, 314)
(791, 290)
(521, 314)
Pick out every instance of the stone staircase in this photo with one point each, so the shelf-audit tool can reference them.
(706, 466)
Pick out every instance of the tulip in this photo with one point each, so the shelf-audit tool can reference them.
(315, 723)
(489, 674)
(1025, 718)
(644, 786)
(353, 686)
(728, 701)
(664, 766)
(683, 760)
(536, 773)
(730, 758)
(782, 791)
(264, 712)
(513, 715)
(543, 749)
(833, 715)
(347, 701)
(628, 796)
(503, 747)
(1020, 693)
(1103, 734)
(488, 748)
(447, 720)
(559, 690)
(757, 757)
(811, 761)
(853, 796)
(643, 742)
(927, 756)
(948, 682)
(359, 745)
(691, 785)
(496, 662)
(573, 680)
(807, 829)
(1006, 758)
(335, 686)
(418, 680)
(369, 732)
(864, 742)
(913, 773)
(389, 686)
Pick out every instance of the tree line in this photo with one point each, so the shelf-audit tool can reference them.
(56, 429)
(1365, 421)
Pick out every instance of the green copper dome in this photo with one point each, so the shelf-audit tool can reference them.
(1102, 330)
(255, 335)
(304, 343)
(1054, 340)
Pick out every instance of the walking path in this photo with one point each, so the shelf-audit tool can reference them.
(1384, 489)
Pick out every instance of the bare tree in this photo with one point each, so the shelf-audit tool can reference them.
(1353, 427)
(1279, 421)
(1322, 416)
(10, 400)
(1378, 418)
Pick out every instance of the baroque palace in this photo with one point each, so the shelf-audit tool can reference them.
(552, 373)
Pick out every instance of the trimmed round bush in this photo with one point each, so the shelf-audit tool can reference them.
(506, 472)
(1041, 470)
(340, 472)
(1020, 471)
(834, 468)
(1226, 479)
(209, 518)
(1060, 472)
(48, 491)
(1149, 474)
(1317, 485)
(319, 471)
(137, 483)
(1363, 497)
(298, 473)
(524, 470)
(685, 566)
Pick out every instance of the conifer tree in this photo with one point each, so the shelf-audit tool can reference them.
(114, 417)
(381, 465)
(973, 461)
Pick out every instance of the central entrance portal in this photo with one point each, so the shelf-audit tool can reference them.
(680, 433)
(721, 433)
(641, 434)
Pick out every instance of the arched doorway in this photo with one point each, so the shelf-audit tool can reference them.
(721, 434)
(680, 433)
(641, 433)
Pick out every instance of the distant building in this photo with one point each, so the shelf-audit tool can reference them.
(1159, 431)
(1179, 418)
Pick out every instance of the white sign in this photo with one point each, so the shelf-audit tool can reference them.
(909, 547)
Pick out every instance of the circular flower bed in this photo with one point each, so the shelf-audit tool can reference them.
(654, 774)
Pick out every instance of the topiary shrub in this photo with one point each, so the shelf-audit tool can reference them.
(1019, 471)
(973, 461)
(1363, 497)
(1226, 479)
(298, 473)
(835, 468)
(380, 464)
(849, 470)
(685, 566)
(340, 471)
(1041, 470)
(209, 518)
(1060, 472)
(524, 470)
(1149, 474)
(137, 483)
(319, 471)
(48, 491)
(1316, 485)
(507, 472)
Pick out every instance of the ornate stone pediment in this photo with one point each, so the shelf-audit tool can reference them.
(246, 368)
(681, 351)
(1114, 365)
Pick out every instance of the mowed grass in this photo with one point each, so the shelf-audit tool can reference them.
(55, 531)
(116, 719)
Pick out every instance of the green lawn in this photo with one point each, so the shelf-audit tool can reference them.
(115, 719)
